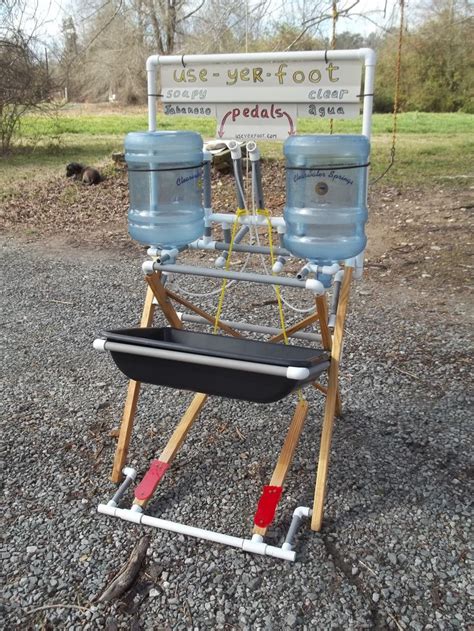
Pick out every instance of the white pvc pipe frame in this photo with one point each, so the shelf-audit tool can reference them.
(256, 544)
(365, 55)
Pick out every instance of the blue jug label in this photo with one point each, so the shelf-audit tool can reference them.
(332, 175)
(187, 178)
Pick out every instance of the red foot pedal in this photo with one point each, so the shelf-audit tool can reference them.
(267, 505)
(152, 478)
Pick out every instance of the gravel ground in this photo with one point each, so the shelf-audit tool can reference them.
(393, 553)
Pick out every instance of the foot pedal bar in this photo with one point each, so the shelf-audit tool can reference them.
(147, 486)
(267, 505)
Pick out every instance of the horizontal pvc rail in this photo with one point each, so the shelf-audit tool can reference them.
(246, 220)
(254, 328)
(296, 373)
(201, 244)
(297, 55)
(266, 279)
(247, 545)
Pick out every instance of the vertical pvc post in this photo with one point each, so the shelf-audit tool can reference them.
(369, 80)
(151, 71)
(236, 155)
(254, 154)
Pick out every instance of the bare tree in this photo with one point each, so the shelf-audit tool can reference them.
(25, 82)
(228, 26)
(113, 38)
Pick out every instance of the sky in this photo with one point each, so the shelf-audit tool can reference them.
(50, 13)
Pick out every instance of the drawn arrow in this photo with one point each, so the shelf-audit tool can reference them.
(290, 121)
(220, 133)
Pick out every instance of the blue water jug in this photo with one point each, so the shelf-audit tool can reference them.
(326, 184)
(165, 186)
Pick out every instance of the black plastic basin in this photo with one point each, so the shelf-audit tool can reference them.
(221, 381)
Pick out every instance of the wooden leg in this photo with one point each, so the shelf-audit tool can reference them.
(328, 421)
(338, 408)
(131, 402)
(322, 307)
(324, 390)
(287, 452)
(174, 444)
(154, 282)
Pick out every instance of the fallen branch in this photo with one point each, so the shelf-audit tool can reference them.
(127, 574)
(367, 567)
(56, 606)
(405, 372)
(398, 625)
(378, 265)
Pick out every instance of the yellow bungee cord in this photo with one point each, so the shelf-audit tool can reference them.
(263, 212)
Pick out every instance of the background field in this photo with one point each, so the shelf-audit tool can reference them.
(431, 148)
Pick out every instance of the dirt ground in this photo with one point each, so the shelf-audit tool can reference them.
(416, 237)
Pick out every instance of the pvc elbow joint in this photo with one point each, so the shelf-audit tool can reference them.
(302, 512)
(220, 261)
(152, 62)
(148, 267)
(278, 265)
(368, 55)
(297, 373)
(235, 150)
(253, 151)
(129, 472)
(99, 344)
(315, 286)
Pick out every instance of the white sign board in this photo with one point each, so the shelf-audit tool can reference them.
(262, 101)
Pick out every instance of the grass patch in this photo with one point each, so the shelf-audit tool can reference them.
(429, 146)
(120, 123)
